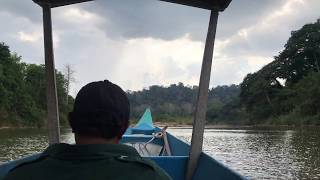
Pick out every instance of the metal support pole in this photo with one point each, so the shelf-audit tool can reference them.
(52, 98)
(201, 107)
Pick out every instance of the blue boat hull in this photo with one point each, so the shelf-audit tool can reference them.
(207, 169)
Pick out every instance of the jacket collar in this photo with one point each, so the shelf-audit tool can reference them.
(91, 151)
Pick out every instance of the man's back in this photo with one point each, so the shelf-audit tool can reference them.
(97, 162)
(99, 118)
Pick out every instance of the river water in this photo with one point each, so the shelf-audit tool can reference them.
(254, 153)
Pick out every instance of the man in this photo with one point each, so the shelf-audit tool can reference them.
(99, 119)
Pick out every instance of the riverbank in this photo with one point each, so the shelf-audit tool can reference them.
(209, 126)
(261, 127)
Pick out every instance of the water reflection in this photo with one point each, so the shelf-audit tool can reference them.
(67, 136)
(15, 143)
(18, 143)
(257, 154)
(264, 154)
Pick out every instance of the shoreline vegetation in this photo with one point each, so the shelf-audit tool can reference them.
(209, 126)
(285, 92)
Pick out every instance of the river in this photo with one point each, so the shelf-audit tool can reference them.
(255, 153)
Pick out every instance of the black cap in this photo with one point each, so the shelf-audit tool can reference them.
(100, 109)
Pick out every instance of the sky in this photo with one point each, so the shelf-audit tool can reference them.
(140, 43)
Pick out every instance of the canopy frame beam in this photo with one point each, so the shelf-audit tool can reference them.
(202, 100)
(53, 124)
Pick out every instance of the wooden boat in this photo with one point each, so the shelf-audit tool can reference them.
(172, 153)
(177, 158)
(166, 150)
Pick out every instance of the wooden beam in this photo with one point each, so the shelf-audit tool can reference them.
(58, 3)
(219, 5)
(202, 100)
(52, 97)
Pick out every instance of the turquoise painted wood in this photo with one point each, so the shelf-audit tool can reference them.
(144, 125)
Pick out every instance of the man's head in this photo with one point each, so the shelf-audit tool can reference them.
(101, 110)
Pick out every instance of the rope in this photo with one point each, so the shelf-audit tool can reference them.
(161, 134)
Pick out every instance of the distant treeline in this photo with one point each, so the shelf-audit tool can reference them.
(22, 92)
(176, 103)
(285, 91)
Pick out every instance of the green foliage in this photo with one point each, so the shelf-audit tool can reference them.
(301, 54)
(297, 97)
(258, 91)
(175, 103)
(23, 94)
(307, 99)
(175, 100)
(214, 108)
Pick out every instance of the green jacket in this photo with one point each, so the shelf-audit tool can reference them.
(88, 162)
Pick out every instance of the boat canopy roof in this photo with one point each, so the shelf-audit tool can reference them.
(219, 5)
(57, 3)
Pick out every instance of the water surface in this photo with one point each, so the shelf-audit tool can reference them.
(264, 154)
(257, 154)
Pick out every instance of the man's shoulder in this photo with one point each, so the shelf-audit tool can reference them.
(63, 160)
(135, 167)
(147, 167)
(24, 170)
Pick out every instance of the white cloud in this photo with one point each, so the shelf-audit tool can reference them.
(23, 36)
(155, 61)
(76, 15)
(133, 64)
(29, 37)
(257, 62)
(252, 47)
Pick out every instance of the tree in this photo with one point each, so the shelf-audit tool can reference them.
(257, 94)
(22, 91)
(301, 54)
(69, 75)
(177, 101)
(214, 108)
(263, 95)
(307, 99)
(11, 84)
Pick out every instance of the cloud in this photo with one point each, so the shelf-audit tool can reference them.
(253, 46)
(134, 63)
(157, 61)
(26, 9)
(23, 36)
(145, 18)
(31, 37)
(140, 43)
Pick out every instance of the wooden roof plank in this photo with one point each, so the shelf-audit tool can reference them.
(58, 3)
(219, 5)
